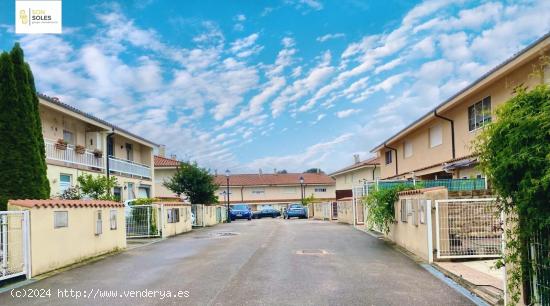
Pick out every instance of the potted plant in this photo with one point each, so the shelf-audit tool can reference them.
(80, 149)
(98, 153)
(61, 144)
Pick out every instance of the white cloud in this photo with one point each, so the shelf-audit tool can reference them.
(330, 36)
(346, 113)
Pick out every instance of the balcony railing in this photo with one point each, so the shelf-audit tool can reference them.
(129, 168)
(450, 184)
(69, 155)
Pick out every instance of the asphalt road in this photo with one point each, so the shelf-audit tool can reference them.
(251, 263)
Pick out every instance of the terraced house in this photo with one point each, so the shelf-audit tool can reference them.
(79, 143)
(438, 145)
(276, 190)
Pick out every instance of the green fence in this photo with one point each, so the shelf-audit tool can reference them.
(450, 184)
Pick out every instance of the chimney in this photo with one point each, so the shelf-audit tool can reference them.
(260, 171)
(162, 150)
(275, 170)
(356, 158)
(215, 172)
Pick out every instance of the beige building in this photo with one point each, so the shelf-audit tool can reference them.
(438, 145)
(165, 168)
(275, 190)
(78, 143)
(355, 176)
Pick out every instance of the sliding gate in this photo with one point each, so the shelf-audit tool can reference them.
(14, 244)
(468, 228)
(143, 221)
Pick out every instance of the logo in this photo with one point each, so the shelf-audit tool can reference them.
(38, 16)
(23, 17)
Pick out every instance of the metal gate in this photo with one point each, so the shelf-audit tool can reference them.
(359, 212)
(334, 211)
(143, 221)
(14, 244)
(468, 228)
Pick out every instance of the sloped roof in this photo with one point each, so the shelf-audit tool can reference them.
(274, 179)
(71, 108)
(165, 162)
(64, 203)
(369, 162)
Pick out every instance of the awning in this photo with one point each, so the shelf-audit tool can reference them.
(464, 163)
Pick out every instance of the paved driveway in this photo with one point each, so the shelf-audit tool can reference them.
(261, 265)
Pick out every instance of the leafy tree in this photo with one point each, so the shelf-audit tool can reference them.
(314, 170)
(309, 200)
(514, 153)
(97, 187)
(72, 193)
(22, 154)
(195, 182)
(381, 206)
(282, 171)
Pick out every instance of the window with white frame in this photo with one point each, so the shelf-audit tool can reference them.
(407, 149)
(68, 137)
(112, 219)
(320, 189)
(479, 114)
(64, 182)
(436, 136)
(60, 219)
(388, 156)
(98, 223)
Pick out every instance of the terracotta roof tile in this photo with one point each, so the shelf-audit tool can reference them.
(369, 162)
(420, 191)
(64, 203)
(274, 179)
(166, 162)
(172, 203)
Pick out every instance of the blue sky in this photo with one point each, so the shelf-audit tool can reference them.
(289, 84)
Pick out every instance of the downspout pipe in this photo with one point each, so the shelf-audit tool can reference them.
(107, 153)
(395, 150)
(373, 171)
(452, 131)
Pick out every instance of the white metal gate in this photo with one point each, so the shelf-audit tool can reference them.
(468, 228)
(143, 221)
(14, 244)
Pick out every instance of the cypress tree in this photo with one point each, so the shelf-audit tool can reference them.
(22, 155)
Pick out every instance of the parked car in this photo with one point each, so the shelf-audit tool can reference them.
(267, 212)
(295, 210)
(240, 211)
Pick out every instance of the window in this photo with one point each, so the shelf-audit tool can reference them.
(479, 114)
(129, 152)
(290, 190)
(407, 149)
(98, 223)
(174, 215)
(258, 191)
(388, 157)
(117, 193)
(320, 189)
(436, 136)
(112, 219)
(143, 192)
(131, 194)
(60, 219)
(547, 74)
(68, 137)
(64, 182)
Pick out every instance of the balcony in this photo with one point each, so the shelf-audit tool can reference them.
(71, 156)
(129, 168)
(450, 184)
